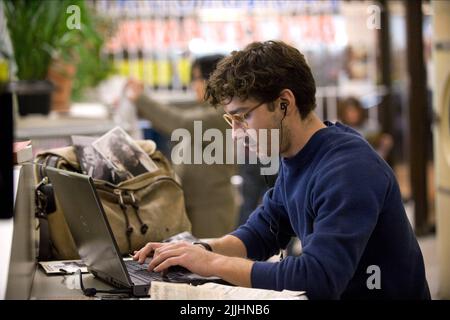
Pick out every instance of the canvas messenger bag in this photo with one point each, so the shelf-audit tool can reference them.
(148, 207)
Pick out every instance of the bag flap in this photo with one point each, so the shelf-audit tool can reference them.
(65, 153)
(68, 153)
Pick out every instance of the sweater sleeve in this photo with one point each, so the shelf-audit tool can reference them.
(268, 228)
(346, 200)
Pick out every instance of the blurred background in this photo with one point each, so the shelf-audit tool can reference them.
(382, 67)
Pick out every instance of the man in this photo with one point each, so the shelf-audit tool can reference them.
(129, 158)
(93, 164)
(333, 191)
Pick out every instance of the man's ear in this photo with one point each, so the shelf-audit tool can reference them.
(287, 99)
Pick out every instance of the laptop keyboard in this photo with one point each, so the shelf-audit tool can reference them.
(140, 271)
(175, 274)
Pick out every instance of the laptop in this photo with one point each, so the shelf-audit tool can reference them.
(95, 241)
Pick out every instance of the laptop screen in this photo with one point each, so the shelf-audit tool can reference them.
(87, 222)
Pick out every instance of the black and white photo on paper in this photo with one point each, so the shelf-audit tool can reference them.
(92, 163)
(125, 154)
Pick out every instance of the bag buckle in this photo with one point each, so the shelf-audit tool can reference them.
(44, 200)
(144, 226)
(119, 193)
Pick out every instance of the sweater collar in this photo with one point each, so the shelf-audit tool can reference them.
(310, 147)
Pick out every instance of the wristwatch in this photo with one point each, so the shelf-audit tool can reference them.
(204, 244)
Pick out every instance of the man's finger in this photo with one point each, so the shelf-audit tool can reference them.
(164, 256)
(147, 250)
(174, 261)
(167, 246)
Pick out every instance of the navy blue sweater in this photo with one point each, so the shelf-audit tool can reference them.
(343, 202)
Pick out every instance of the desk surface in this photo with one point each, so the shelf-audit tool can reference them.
(6, 234)
(65, 287)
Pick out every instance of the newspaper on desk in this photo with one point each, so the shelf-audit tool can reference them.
(214, 291)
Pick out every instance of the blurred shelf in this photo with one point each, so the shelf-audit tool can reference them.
(173, 97)
(83, 119)
(47, 127)
(55, 129)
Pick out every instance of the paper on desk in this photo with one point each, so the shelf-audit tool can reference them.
(213, 291)
(56, 267)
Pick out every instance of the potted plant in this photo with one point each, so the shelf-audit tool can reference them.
(46, 51)
(66, 71)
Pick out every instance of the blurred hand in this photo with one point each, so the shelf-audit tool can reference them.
(386, 143)
(133, 89)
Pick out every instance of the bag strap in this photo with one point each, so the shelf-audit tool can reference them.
(134, 205)
(45, 246)
(128, 228)
(64, 154)
(41, 199)
(144, 226)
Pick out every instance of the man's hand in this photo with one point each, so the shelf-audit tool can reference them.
(193, 257)
(197, 259)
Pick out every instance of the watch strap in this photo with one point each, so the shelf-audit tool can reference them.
(206, 245)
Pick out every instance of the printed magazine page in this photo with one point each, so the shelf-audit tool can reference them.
(120, 149)
(93, 163)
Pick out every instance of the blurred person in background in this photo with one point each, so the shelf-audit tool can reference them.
(352, 113)
(209, 195)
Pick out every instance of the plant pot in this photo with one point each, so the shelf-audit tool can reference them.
(33, 96)
(61, 74)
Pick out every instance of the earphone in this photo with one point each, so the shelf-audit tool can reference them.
(283, 106)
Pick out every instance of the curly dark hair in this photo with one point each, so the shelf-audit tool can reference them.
(261, 71)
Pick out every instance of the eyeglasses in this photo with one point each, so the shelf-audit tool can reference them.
(240, 118)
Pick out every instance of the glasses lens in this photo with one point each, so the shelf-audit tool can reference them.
(240, 120)
(228, 119)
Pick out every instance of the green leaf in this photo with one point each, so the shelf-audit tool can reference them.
(38, 32)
